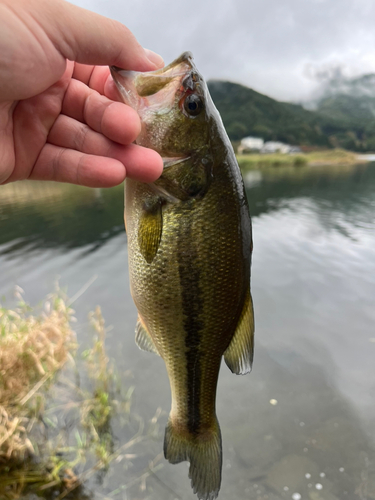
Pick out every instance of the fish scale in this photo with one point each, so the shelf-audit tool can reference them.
(189, 246)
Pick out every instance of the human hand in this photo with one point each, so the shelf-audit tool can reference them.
(58, 118)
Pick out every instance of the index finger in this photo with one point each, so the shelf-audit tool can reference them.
(98, 78)
(115, 120)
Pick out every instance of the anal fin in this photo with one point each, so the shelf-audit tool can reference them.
(143, 338)
(239, 354)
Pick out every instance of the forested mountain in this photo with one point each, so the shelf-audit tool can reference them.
(247, 112)
(352, 102)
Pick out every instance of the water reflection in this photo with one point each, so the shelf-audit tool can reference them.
(313, 282)
(310, 436)
(48, 215)
(344, 190)
(35, 215)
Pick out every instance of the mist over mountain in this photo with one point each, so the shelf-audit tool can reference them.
(351, 101)
(362, 86)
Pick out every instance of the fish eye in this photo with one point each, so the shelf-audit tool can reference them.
(193, 105)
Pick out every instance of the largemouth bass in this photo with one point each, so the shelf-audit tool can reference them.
(190, 245)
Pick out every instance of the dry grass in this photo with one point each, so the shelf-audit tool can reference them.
(32, 350)
(32, 347)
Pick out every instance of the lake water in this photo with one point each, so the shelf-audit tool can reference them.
(302, 424)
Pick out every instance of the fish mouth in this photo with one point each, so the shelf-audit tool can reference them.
(155, 91)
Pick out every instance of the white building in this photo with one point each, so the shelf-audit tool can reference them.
(250, 144)
(276, 147)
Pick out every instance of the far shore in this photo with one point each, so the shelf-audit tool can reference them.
(314, 158)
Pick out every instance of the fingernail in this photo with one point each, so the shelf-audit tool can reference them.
(154, 58)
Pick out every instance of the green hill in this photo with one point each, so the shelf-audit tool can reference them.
(356, 113)
(247, 112)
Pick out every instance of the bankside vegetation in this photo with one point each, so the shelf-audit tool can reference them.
(38, 454)
(270, 160)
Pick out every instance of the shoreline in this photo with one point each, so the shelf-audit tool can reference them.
(313, 159)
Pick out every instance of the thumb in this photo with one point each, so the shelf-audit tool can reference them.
(89, 38)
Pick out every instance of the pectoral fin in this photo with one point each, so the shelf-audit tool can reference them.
(143, 338)
(239, 354)
(150, 229)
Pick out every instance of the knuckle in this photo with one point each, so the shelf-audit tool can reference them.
(57, 162)
(94, 110)
(80, 138)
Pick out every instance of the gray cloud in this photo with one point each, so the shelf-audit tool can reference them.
(273, 46)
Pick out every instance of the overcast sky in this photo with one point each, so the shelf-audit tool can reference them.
(278, 47)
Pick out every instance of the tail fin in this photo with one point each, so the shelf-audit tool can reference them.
(203, 451)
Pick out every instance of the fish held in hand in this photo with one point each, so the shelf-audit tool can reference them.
(190, 244)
